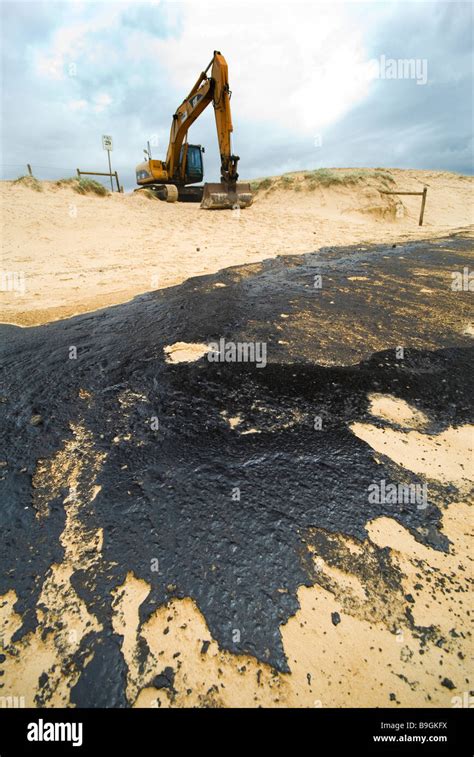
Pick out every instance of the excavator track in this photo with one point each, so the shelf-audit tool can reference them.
(165, 192)
(190, 194)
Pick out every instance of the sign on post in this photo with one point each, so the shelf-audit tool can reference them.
(108, 145)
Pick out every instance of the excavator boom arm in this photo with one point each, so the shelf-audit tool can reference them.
(223, 116)
(206, 89)
(189, 110)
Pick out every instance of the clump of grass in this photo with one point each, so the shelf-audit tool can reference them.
(83, 186)
(70, 180)
(384, 175)
(86, 186)
(326, 177)
(287, 181)
(259, 184)
(29, 181)
(321, 177)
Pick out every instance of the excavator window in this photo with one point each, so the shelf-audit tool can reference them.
(194, 170)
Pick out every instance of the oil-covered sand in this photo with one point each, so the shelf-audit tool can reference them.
(179, 532)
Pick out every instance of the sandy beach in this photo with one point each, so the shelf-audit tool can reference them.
(381, 615)
(79, 253)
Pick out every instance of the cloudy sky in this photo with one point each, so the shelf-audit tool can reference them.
(314, 84)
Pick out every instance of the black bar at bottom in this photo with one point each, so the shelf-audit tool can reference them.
(329, 731)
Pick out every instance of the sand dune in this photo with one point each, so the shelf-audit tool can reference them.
(74, 253)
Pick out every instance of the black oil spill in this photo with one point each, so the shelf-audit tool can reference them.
(225, 514)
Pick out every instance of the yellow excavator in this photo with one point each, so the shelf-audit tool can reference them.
(170, 179)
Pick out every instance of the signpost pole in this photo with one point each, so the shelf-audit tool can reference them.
(110, 172)
(107, 145)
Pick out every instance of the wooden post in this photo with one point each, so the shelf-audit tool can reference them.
(423, 202)
(422, 195)
(78, 173)
(29, 169)
(117, 180)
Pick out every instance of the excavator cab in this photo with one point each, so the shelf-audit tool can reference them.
(190, 163)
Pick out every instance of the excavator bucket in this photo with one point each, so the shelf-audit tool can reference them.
(230, 196)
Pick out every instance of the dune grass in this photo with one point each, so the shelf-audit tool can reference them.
(321, 177)
(84, 186)
(29, 181)
(259, 184)
(327, 177)
(287, 181)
